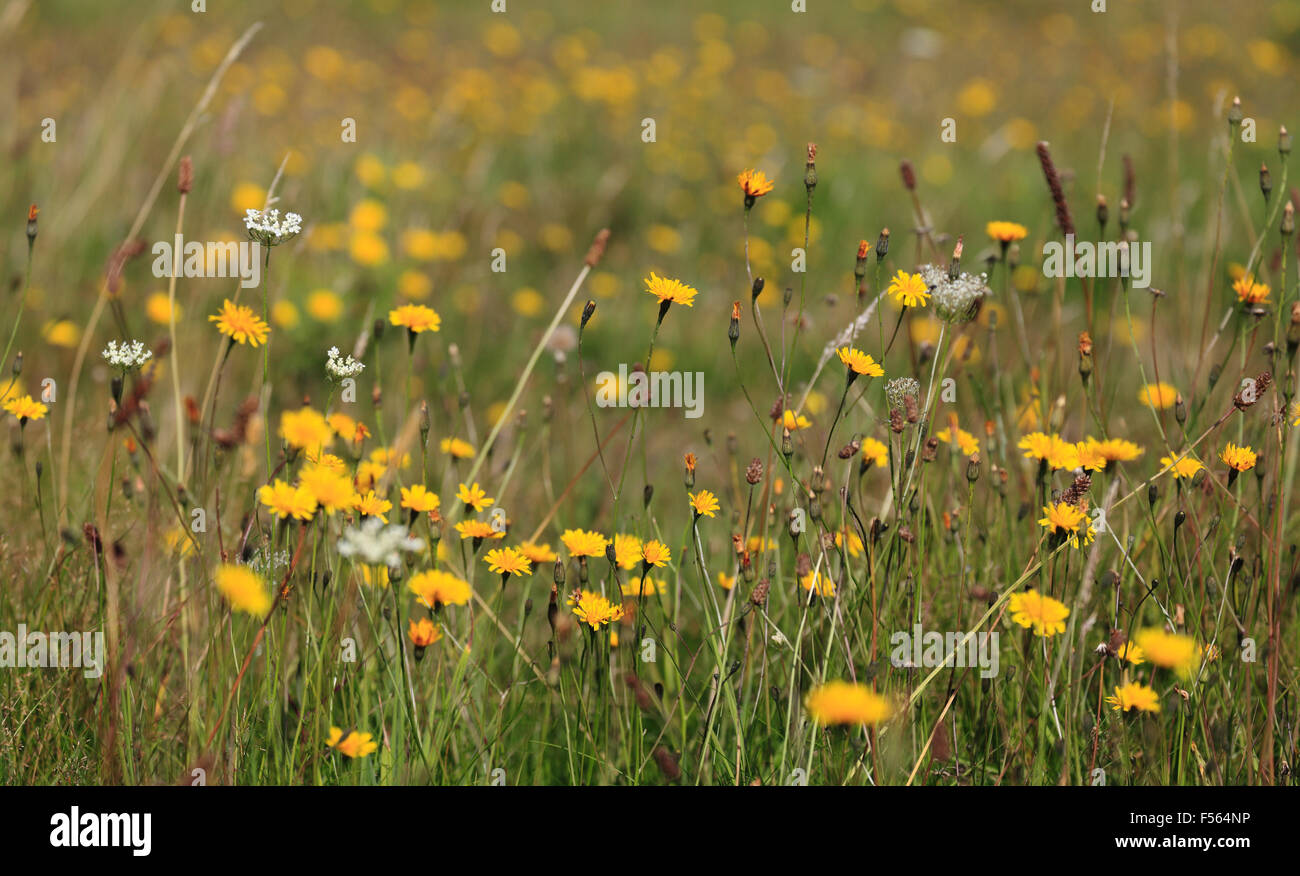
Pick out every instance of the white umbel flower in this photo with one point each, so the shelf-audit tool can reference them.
(375, 544)
(956, 299)
(339, 367)
(268, 229)
(127, 356)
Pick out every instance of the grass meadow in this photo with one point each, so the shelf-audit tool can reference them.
(954, 441)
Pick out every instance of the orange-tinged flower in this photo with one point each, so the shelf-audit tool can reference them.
(1169, 650)
(240, 324)
(754, 183)
(435, 587)
(416, 318)
(1135, 696)
(593, 609)
(477, 529)
(844, 702)
(371, 505)
(875, 452)
(305, 428)
(673, 291)
(656, 553)
(1043, 614)
(423, 632)
(508, 561)
(581, 543)
(474, 497)
(1250, 292)
(538, 553)
(704, 503)
(456, 448)
(1237, 457)
(418, 498)
(284, 500)
(243, 589)
(1182, 467)
(25, 408)
(332, 490)
(1158, 395)
(1006, 232)
(859, 362)
(352, 744)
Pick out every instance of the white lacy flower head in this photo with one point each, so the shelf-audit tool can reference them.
(375, 543)
(268, 229)
(127, 356)
(956, 299)
(340, 367)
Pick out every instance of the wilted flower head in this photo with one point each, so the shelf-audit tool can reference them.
(267, 228)
(375, 544)
(901, 388)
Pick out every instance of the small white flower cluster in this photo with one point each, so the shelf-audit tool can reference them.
(376, 544)
(956, 300)
(127, 356)
(339, 367)
(267, 228)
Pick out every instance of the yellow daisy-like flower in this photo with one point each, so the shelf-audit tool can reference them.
(1115, 450)
(593, 609)
(416, 318)
(1169, 650)
(581, 543)
(1182, 467)
(704, 503)
(284, 500)
(1065, 520)
(1250, 292)
(332, 490)
(371, 505)
(243, 589)
(305, 428)
(859, 362)
(1043, 614)
(538, 553)
(795, 422)
(347, 428)
(819, 584)
(725, 581)
(655, 554)
(353, 744)
(1158, 395)
(508, 561)
(1135, 696)
(875, 452)
(673, 291)
(1006, 232)
(754, 183)
(1052, 449)
(909, 290)
(423, 632)
(477, 529)
(627, 550)
(456, 448)
(1132, 653)
(474, 497)
(435, 587)
(1240, 458)
(844, 702)
(958, 437)
(25, 408)
(643, 587)
(418, 498)
(240, 324)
